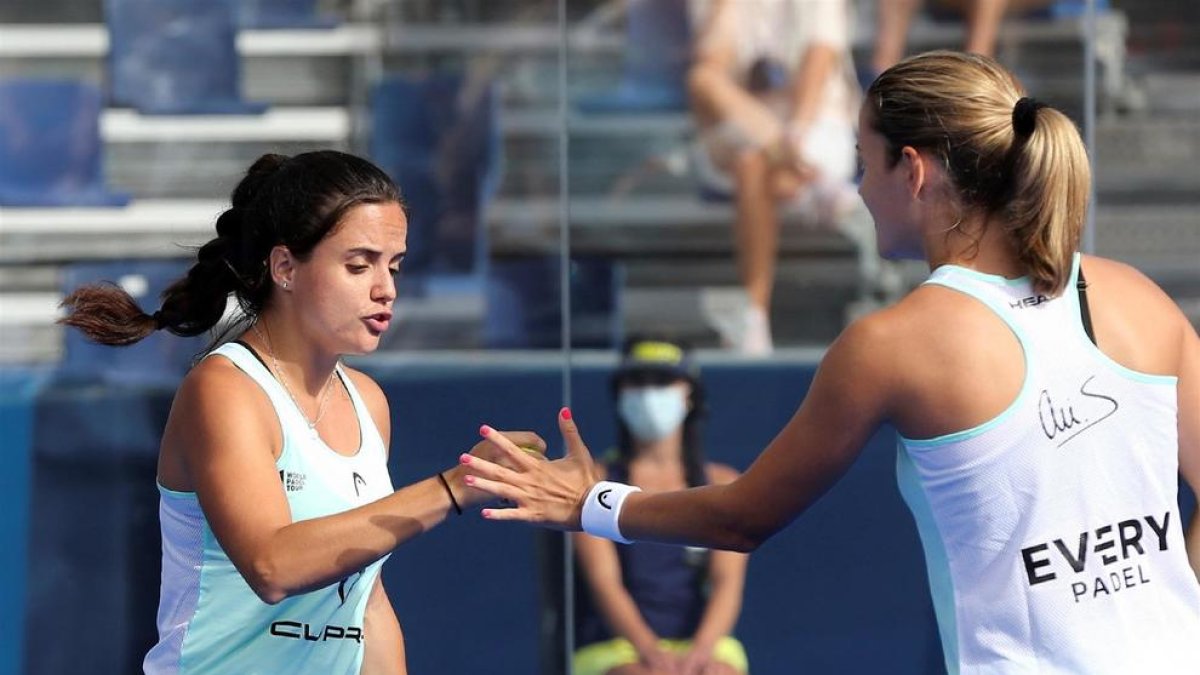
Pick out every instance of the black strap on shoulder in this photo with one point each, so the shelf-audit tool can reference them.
(1085, 314)
(254, 354)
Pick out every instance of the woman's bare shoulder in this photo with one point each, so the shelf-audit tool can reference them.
(217, 386)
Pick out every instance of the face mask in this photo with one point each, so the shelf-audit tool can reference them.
(652, 412)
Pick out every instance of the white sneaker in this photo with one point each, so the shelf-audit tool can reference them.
(756, 334)
(742, 327)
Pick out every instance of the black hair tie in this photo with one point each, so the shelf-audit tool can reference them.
(160, 322)
(1024, 116)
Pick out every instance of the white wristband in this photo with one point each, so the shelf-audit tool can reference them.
(602, 508)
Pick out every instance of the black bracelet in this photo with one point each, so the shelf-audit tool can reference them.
(446, 484)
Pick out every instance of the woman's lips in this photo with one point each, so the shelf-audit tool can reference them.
(378, 323)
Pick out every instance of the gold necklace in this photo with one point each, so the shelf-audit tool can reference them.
(321, 407)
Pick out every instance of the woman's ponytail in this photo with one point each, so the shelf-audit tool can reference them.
(1047, 205)
(195, 303)
(106, 314)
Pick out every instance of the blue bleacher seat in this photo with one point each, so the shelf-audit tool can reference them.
(524, 303)
(160, 358)
(1065, 9)
(50, 148)
(282, 14)
(1060, 9)
(658, 53)
(438, 137)
(176, 57)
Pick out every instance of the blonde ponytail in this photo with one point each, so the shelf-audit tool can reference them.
(1009, 157)
(1047, 204)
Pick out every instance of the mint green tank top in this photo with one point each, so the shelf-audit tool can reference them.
(209, 620)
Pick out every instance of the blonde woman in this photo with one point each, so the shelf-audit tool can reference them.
(1043, 420)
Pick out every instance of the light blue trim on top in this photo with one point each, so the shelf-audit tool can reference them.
(174, 494)
(1136, 376)
(937, 561)
(982, 276)
(1026, 384)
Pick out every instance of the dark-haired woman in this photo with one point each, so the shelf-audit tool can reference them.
(277, 509)
(649, 608)
(1044, 421)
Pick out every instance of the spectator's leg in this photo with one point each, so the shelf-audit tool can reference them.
(718, 97)
(983, 19)
(983, 25)
(757, 226)
(757, 235)
(891, 31)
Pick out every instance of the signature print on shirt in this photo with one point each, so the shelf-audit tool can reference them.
(1065, 417)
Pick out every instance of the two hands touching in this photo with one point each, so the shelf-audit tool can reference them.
(551, 494)
(546, 493)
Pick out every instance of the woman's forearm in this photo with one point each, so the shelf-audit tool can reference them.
(702, 516)
(310, 554)
(817, 65)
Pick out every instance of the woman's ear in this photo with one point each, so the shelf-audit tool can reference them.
(915, 169)
(282, 265)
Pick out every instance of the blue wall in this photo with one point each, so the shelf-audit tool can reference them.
(841, 590)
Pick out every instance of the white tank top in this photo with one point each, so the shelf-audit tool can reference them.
(1052, 533)
(209, 620)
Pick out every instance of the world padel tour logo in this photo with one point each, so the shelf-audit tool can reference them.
(1120, 549)
(293, 481)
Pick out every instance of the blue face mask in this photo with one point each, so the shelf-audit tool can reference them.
(651, 413)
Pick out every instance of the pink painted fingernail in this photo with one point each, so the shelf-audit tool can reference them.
(486, 513)
(465, 458)
(566, 413)
(469, 480)
(485, 430)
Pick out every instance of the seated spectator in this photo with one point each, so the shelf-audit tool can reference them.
(653, 608)
(774, 95)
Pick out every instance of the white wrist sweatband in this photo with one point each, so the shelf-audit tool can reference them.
(602, 508)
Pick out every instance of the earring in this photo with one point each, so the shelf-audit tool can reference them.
(285, 285)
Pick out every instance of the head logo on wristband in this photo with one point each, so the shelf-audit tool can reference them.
(602, 510)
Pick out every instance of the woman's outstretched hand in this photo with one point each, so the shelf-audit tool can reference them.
(545, 493)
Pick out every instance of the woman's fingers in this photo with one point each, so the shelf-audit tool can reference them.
(570, 434)
(498, 488)
(516, 515)
(484, 467)
(526, 440)
(515, 453)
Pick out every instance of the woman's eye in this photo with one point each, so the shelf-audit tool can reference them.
(394, 271)
(358, 269)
